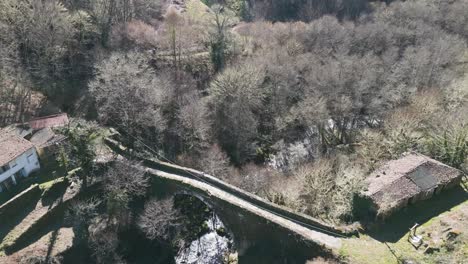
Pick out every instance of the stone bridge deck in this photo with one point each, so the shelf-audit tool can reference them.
(211, 188)
(322, 239)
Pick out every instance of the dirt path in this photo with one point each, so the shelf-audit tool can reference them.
(40, 210)
(50, 245)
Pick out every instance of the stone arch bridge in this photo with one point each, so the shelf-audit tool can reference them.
(250, 218)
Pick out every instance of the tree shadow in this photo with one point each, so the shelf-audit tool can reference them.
(49, 223)
(134, 247)
(52, 240)
(55, 194)
(9, 220)
(52, 221)
(292, 251)
(395, 227)
(77, 254)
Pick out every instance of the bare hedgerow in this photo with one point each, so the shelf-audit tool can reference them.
(160, 220)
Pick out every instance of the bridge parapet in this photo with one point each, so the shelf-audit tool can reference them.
(248, 225)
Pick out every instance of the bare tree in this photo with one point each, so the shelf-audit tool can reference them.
(284, 10)
(149, 10)
(103, 241)
(256, 179)
(215, 162)
(124, 182)
(128, 177)
(193, 127)
(131, 96)
(15, 97)
(84, 210)
(219, 37)
(81, 213)
(235, 96)
(45, 28)
(160, 220)
(111, 12)
(324, 189)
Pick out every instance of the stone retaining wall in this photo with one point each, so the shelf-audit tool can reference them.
(20, 201)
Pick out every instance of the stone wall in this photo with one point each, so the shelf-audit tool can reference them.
(9, 209)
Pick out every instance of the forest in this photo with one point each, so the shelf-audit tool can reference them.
(296, 101)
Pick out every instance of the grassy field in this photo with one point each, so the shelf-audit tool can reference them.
(443, 225)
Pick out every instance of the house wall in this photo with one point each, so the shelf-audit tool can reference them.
(423, 195)
(27, 161)
(383, 214)
(453, 183)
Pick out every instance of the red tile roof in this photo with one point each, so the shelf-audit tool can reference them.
(12, 146)
(49, 121)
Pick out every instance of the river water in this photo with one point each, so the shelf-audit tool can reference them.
(211, 248)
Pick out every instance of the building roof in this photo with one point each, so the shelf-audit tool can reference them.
(49, 121)
(46, 137)
(19, 130)
(12, 146)
(406, 177)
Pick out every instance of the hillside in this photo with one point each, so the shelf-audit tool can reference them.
(335, 126)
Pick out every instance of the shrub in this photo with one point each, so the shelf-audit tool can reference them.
(449, 146)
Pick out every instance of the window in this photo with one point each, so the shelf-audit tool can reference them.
(31, 158)
(7, 184)
(4, 168)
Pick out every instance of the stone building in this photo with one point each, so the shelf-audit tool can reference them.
(412, 178)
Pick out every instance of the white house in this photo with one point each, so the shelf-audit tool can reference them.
(18, 158)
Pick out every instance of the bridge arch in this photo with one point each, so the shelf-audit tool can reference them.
(248, 231)
(211, 206)
(251, 218)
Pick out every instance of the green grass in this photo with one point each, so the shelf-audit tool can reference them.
(387, 243)
(365, 249)
(47, 185)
